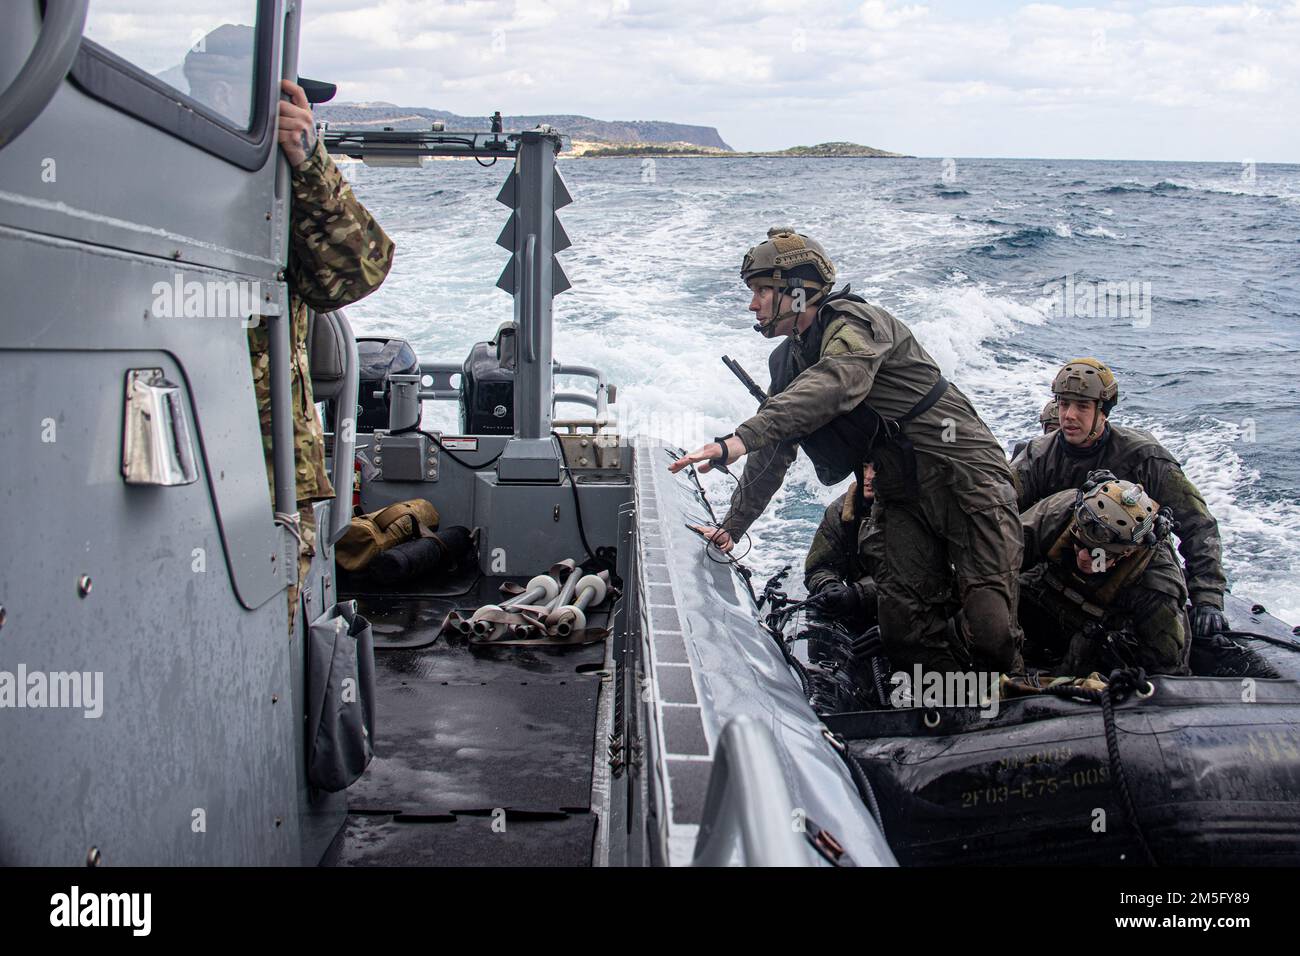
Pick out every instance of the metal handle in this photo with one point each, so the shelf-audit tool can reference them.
(530, 295)
(345, 431)
(601, 402)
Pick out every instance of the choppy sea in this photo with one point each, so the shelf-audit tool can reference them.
(1183, 277)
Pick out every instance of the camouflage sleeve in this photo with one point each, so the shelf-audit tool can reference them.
(764, 471)
(828, 557)
(338, 254)
(1198, 532)
(832, 387)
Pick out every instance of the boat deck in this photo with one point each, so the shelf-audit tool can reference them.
(482, 755)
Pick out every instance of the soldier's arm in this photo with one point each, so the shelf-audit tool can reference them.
(764, 472)
(828, 559)
(834, 386)
(1025, 479)
(1198, 532)
(338, 254)
(1041, 526)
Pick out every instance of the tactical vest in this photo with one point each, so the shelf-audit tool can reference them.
(840, 447)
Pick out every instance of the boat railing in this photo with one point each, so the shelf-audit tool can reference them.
(749, 818)
(437, 386)
(343, 397)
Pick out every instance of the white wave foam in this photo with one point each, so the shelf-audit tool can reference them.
(1259, 536)
(966, 328)
(1099, 232)
(1264, 185)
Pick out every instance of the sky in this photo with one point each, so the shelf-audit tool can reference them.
(1211, 81)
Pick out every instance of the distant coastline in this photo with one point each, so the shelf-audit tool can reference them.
(586, 149)
(589, 138)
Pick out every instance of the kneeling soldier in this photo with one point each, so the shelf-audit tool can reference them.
(1102, 587)
(839, 571)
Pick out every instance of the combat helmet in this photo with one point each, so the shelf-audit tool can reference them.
(1117, 515)
(1050, 416)
(1089, 379)
(788, 261)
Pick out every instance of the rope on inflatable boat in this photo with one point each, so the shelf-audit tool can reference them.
(1119, 686)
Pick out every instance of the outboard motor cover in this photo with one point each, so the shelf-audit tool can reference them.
(487, 386)
(379, 358)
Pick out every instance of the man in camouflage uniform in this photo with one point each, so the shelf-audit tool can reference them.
(338, 254)
(1102, 587)
(851, 384)
(838, 570)
(1086, 391)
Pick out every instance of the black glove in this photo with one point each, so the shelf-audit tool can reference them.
(1207, 619)
(839, 600)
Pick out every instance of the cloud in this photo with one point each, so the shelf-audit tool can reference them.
(1171, 80)
(879, 15)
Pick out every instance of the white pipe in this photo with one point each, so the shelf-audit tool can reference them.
(542, 587)
(566, 592)
(591, 591)
(568, 619)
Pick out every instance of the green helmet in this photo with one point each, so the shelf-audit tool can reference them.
(785, 251)
(788, 262)
(1117, 515)
(1087, 378)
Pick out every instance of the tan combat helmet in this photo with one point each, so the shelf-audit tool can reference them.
(788, 262)
(1087, 378)
(1049, 417)
(1117, 515)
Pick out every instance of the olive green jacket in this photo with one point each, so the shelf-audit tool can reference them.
(1050, 465)
(864, 353)
(837, 555)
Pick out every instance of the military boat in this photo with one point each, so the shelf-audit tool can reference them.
(690, 718)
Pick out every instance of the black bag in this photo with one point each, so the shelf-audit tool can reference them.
(340, 697)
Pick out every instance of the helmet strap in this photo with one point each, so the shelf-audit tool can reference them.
(782, 287)
(1095, 432)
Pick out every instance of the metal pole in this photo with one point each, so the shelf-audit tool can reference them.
(535, 214)
(280, 349)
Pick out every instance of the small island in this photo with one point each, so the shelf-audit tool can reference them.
(589, 149)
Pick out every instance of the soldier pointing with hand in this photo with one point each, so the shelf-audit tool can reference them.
(851, 385)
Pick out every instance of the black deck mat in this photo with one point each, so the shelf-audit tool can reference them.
(473, 729)
(464, 841)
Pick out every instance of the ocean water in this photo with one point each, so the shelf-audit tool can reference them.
(1196, 268)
